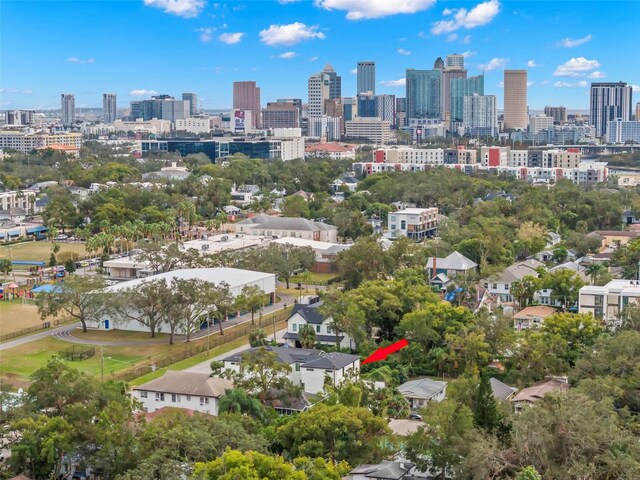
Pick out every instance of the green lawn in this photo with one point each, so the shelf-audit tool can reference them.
(315, 278)
(40, 251)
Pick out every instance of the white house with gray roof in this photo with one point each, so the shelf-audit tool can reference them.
(279, 227)
(421, 391)
(449, 267)
(310, 315)
(194, 391)
(309, 368)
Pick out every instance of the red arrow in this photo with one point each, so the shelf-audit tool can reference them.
(383, 352)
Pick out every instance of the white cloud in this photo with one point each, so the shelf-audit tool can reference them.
(402, 51)
(422, 35)
(286, 55)
(530, 84)
(452, 37)
(363, 9)
(481, 14)
(532, 64)
(284, 2)
(141, 92)
(576, 67)
(468, 54)
(181, 8)
(21, 91)
(500, 85)
(354, 71)
(80, 60)
(635, 88)
(570, 43)
(401, 82)
(494, 64)
(206, 34)
(596, 74)
(581, 83)
(314, 58)
(231, 38)
(466, 40)
(289, 34)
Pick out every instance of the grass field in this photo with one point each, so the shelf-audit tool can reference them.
(118, 335)
(15, 316)
(315, 278)
(40, 251)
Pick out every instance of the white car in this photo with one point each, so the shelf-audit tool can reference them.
(62, 237)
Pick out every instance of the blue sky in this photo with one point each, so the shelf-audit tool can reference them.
(135, 47)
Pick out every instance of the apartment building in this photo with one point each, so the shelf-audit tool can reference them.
(26, 142)
(24, 199)
(607, 302)
(413, 223)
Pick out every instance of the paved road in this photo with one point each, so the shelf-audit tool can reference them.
(69, 334)
(205, 367)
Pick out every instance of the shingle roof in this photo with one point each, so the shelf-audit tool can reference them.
(255, 220)
(386, 470)
(541, 311)
(454, 261)
(331, 361)
(501, 391)
(539, 390)
(421, 388)
(306, 357)
(311, 313)
(293, 224)
(188, 383)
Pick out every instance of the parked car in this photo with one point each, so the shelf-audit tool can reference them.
(415, 416)
(62, 237)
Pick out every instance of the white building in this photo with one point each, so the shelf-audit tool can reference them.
(323, 126)
(278, 227)
(26, 142)
(607, 302)
(309, 368)
(519, 158)
(154, 126)
(199, 124)
(199, 392)
(334, 151)
(24, 199)
(236, 280)
(622, 132)
(371, 129)
(413, 223)
(540, 122)
(422, 391)
(310, 315)
(428, 156)
(480, 115)
(174, 172)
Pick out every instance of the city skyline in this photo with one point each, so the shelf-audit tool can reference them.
(205, 47)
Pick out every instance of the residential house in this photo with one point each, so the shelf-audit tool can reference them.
(414, 223)
(194, 391)
(553, 239)
(499, 285)
(15, 214)
(607, 302)
(310, 315)
(421, 391)
(614, 238)
(528, 396)
(385, 470)
(451, 266)
(501, 391)
(245, 194)
(347, 181)
(309, 367)
(532, 317)
(326, 253)
(279, 227)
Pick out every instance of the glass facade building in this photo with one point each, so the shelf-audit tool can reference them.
(464, 87)
(423, 93)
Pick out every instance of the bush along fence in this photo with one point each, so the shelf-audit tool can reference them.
(275, 321)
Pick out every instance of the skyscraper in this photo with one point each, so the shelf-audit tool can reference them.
(366, 77)
(246, 96)
(448, 75)
(318, 91)
(194, 108)
(454, 61)
(109, 107)
(480, 114)
(559, 114)
(162, 107)
(366, 105)
(438, 64)
(281, 115)
(609, 101)
(515, 100)
(462, 87)
(386, 108)
(423, 93)
(68, 108)
(638, 112)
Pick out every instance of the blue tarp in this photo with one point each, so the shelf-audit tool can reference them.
(44, 289)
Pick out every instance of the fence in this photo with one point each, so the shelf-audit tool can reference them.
(78, 352)
(277, 321)
(25, 331)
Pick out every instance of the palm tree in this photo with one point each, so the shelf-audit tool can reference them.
(594, 270)
(257, 337)
(237, 400)
(307, 336)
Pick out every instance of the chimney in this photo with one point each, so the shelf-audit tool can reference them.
(433, 269)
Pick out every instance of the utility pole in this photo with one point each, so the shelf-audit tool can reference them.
(101, 364)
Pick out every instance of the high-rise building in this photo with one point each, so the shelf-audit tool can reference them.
(638, 112)
(194, 108)
(609, 101)
(350, 107)
(480, 114)
(366, 71)
(438, 64)
(423, 93)
(538, 123)
(280, 115)
(366, 105)
(448, 75)
(386, 108)
(295, 101)
(559, 114)
(68, 108)
(515, 100)
(109, 107)
(619, 131)
(246, 96)
(454, 61)
(162, 107)
(401, 112)
(20, 117)
(318, 91)
(462, 87)
(335, 81)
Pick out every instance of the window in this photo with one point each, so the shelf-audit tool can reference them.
(188, 398)
(175, 398)
(494, 286)
(294, 327)
(297, 367)
(204, 400)
(309, 369)
(144, 394)
(403, 225)
(597, 299)
(506, 286)
(159, 397)
(329, 329)
(317, 328)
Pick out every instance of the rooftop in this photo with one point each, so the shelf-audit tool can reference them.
(538, 390)
(311, 313)
(540, 311)
(501, 391)
(188, 383)
(306, 357)
(421, 388)
(454, 261)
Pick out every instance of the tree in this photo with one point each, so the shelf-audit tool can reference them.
(285, 260)
(144, 304)
(295, 206)
(237, 400)
(251, 299)
(524, 290)
(485, 413)
(532, 238)
(528, 473)
(194, 300)
(234, 464)
(161, 258)
(442, 443)
(257, 337)
(565, 285)
(223, 303)
(70, 266)
(560, 254)
(6, 267)
(577, 331)
(365, 260)
(60, 211)
(335, 432)
(82, 298)
(307, 336)
(261, 372)
(595, 270)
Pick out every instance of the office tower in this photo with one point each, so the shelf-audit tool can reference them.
(109, 107)
(295, 101)
(194, 108)
(318, 91)
(20, 117)
(386, 108)
(280, 115)
(538, 123)
(454, 61)
(366, 105)
(638, 112)
(480, 114)
(460, 88)
(609, 101)
(448, 75)
(246, 96)
(68, 108)
(335, 81)
(350, 107)
(438, 64)
(515, 100)
(366, 77)
(162, 107)
(423, 93)
(401, 112)
(559, 114)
